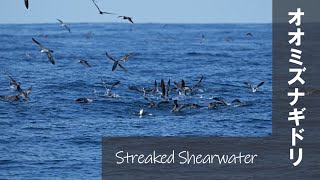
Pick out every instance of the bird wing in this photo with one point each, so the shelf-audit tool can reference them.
(96, 5)
(115, 64)
(20, 89)
(197, 83)
(68, 28)
(183, 84)
(11, 78)
(248, 84)
(130, 20)
(260, 84)
(114, 84)
(108, 13)
(111, 58)
(26, 2)
(168, 87)
(28, 91)
(39, 44)
(60, 21)
(86, 63)
(122, 67)
(126, 56)
(51, 58)
(177, 84)
(163, 88)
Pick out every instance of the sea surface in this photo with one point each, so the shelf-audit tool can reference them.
(52, 136)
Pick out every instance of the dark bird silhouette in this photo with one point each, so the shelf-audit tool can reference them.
(85, 63)
(45, 51)
(126, 18)
(84, 100)
(101, 12)
(249, 34)
(116, 62)
(26, 2)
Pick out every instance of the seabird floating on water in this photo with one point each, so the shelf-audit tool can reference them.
(126, 18)
(101, 12)
(64, 25)
(254, 89)
(142, 90)
(225, 102)
(84, 100)
(10, 98)
(214, 104)
(45, 50)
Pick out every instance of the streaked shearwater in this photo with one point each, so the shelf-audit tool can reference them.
(126, 18)
(64, 25)
(85, 63)
(253, 88)
(46, 51)
(116, 62)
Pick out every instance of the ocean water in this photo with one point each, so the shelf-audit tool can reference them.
(52, 136)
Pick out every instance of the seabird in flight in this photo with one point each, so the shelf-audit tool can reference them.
(254, 89)
(64, 25)
(100, 12)
(85, 63)
(126, 18)
(46, 51)
(116, 63)
(249, 34)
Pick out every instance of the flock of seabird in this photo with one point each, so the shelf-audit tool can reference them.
(165, 91)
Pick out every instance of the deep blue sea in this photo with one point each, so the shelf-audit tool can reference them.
(52, 136)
